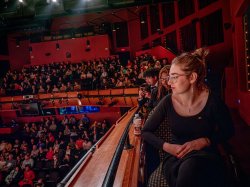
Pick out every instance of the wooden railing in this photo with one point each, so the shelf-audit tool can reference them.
(84, 93)
(94, 171)
(119, 97)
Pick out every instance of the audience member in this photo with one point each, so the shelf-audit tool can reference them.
(199, 121)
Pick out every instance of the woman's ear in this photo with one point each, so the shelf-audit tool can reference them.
(193, 77)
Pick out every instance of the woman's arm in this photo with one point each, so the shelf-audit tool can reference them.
(153, 122)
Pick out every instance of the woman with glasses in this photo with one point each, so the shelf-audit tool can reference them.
(163, 87)
(199, 121)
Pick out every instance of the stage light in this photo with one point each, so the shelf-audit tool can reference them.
(20, 1)
(54, 1)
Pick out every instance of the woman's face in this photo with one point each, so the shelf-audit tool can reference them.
(178, 80)
(164, 80)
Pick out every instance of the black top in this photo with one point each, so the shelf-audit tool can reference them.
(213, 122)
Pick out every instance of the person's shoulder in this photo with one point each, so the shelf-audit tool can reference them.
(167, 98)
(165, 101)
(215, 98)
(216, 101)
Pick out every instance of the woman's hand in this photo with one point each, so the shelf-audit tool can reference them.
(173, 149)
(197, 144)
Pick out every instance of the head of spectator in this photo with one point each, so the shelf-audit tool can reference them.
(163, 87)
(144, 91)
(193, 66)
(151, 76)
(39, 183)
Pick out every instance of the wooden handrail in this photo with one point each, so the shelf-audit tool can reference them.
(57, 95)
(99, 143)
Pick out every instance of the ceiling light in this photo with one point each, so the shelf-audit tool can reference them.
(20, 1)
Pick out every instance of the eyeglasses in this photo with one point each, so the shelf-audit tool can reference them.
(172, 79)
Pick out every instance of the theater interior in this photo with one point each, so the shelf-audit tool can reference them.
(71, 70)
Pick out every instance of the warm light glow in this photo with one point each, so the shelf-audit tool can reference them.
(79, 102)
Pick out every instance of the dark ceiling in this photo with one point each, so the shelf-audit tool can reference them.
(33, 14)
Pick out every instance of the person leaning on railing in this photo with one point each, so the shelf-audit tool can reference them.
(199, 121)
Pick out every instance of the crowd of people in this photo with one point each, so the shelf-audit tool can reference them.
(91, 75)
(198, 120)
(45, 151)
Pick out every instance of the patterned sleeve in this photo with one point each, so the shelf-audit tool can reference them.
(153, 122)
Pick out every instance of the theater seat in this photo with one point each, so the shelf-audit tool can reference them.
(156, 178)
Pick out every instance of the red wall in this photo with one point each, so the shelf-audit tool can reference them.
(159, 52)
(7, 116)
(18, 56)
(99, 46)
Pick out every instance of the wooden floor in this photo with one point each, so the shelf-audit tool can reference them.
(241, 146)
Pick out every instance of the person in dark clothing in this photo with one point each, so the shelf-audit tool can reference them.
(151, 77)
(199, 121)
(152, 154)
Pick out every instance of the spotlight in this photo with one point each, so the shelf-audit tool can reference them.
(20, 1)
